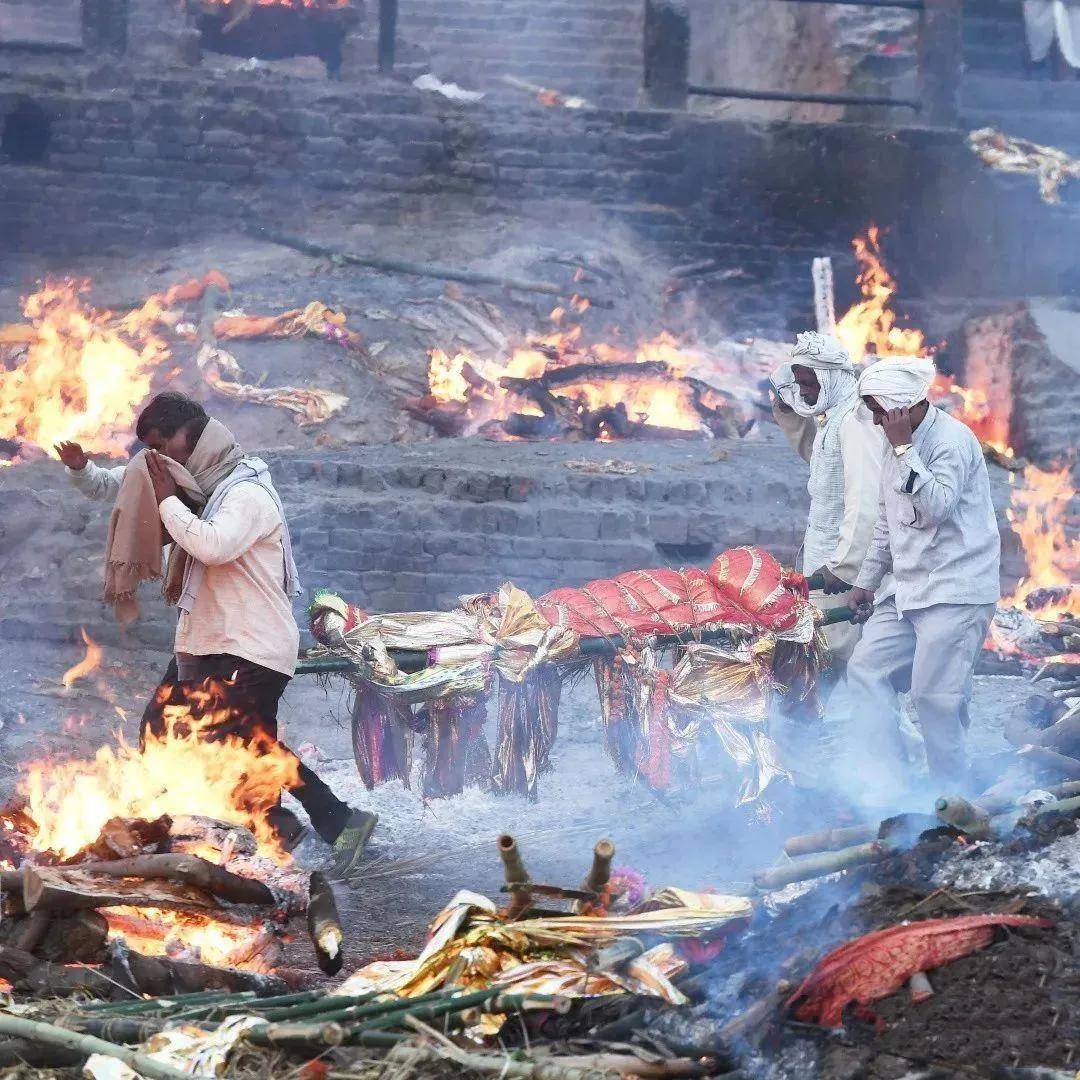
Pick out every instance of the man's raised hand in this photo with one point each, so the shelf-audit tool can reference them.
(72, 455)
(160, 477)
(897, 426)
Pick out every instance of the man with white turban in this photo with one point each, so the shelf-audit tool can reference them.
(817, 408)
(937, 533)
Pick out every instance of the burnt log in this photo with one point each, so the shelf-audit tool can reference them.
(190, 870)
(30, 975)
(1063, 735)
(73, 889)
(1061, 764)
(79, 938)
(122, 838)
(31, 930)
(448, 418)
(160, 976)
(324, 925)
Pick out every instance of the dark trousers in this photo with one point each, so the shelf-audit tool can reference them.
(251, 694)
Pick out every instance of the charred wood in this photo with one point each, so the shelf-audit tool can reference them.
(418, 269)
(123, 837)
(72, 889)
(324, 925)
(448, 418)
(159, 976)
(79, 938)
(189, 870)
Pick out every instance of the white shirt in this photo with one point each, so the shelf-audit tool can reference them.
(936, 528)
(241, 607)
(845, 453)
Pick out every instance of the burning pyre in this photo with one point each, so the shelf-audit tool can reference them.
(74, 372)
(117, 835)
(557, 385)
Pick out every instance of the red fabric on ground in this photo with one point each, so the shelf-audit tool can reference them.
(878, 964)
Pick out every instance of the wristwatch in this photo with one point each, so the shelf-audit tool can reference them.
(902, 449)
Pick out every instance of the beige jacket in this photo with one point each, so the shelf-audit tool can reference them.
(241, 607)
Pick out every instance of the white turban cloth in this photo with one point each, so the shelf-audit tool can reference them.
(832, 365)
(898, 383)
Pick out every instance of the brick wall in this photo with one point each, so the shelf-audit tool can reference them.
(592, 48)
(399, 528)
(141, 157)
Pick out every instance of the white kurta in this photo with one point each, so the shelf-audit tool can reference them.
(844, 487)
(1045, 20)
(845, 453)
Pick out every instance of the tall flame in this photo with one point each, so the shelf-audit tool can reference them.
(869, 326)
(83, 374)
(177, 773)
(1037, 515)
(869, 331)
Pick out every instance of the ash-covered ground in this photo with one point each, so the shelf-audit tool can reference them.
(425, 850)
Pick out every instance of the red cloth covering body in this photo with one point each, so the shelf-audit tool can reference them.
(743, 587)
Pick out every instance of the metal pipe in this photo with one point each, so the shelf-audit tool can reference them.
(813, 99)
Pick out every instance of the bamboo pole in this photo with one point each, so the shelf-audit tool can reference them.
(517, 877)
(345, 1009)
(1058, 806)
(579, 1067)
(815, 866)
(36, 1031)
(830, 840)
(600, 872)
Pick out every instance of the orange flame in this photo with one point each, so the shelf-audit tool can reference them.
(651, 399)
(89, 663)
(1053, 558)
(83, 374)
(870, 325)
(192, 936)
(176, 773)
(868, 331)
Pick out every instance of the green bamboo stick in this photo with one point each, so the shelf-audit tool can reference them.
(432, 1010)
(367, 1012)
(51, 1035)
(253, 1006)
(318, 1035)
(126, 1008)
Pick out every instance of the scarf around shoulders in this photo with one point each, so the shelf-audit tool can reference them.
(136, 537)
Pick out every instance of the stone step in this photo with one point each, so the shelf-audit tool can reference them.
(993, 9)
(1020, 95)
(1050, 129)
(979, 31)
(1008, 60)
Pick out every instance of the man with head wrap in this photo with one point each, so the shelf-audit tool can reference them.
(817, 408)
(937, 533)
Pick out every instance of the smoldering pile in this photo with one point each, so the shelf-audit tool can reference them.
(925, 953)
